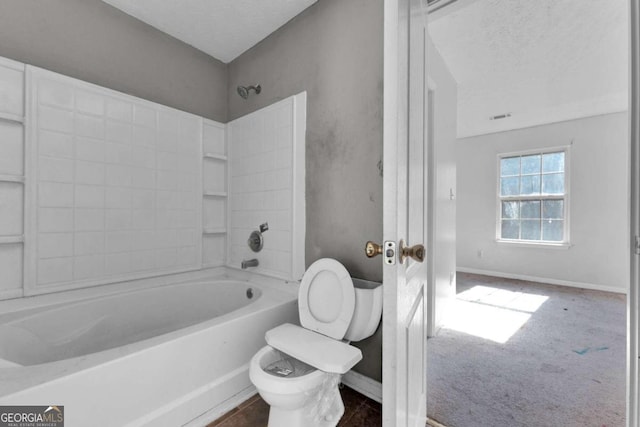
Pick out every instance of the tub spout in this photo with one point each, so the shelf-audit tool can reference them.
(249, 263)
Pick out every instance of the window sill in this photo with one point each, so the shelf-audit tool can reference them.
(538, 245)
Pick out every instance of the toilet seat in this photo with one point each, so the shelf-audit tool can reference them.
(326, 299)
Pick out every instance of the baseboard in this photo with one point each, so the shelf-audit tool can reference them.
(581, 285)
(363, 385)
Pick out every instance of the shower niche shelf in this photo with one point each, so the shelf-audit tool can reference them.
(210, 231)
(9, 117)
(214, 193)
(214, 156)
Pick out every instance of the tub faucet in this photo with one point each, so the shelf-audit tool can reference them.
(249, 263)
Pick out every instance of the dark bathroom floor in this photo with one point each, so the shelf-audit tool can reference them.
(359, 411)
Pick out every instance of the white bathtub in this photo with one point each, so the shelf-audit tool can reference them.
(164, 356)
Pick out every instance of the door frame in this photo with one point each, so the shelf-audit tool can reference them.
(633, 325)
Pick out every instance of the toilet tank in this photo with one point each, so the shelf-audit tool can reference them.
(367, 312)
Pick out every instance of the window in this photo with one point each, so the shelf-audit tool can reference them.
(532, 197)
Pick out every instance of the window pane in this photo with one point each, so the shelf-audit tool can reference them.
(510, 166)
(530, 209)
(552, 230)
(510, 210)
(509, 186)
(510, 229)
(531, 229)
(553, 162)
(530, 164)
(553, 209)
(530, 185)
(553, 183)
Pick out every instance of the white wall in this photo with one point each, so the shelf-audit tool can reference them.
(442, 256)
(598, 211)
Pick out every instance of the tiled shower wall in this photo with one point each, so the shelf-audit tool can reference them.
(267, 186)
(116, 190)
(12, 171)
(99, 187)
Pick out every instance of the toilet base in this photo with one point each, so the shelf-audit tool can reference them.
(304, 417)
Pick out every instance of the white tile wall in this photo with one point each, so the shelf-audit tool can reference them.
(214, 139)
(267, 185)
(11, 148)
(12, 169)
(11, 203)
(214, 175)
(115, 183)
(214, 249)
(116, 189)
(11, 87)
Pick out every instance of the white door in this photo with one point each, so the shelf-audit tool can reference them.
(405, 197)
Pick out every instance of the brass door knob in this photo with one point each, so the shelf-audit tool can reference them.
(416, 252)
(372, 249)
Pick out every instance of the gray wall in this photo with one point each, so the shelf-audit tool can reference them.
(92, 41)
(333, 50)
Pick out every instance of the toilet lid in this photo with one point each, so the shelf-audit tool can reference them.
(326, 299)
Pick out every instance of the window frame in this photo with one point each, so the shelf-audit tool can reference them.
(565, 243)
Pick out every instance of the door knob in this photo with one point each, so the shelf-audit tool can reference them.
(416, 252)
(372, 249)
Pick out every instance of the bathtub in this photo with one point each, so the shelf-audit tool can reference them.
(169, 355)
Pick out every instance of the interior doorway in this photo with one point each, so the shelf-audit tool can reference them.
(509, 121)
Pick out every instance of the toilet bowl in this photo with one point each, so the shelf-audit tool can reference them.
(299, 371)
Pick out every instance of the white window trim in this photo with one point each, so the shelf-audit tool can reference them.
(564, 244)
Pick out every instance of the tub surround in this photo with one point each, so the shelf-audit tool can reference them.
(103, 187)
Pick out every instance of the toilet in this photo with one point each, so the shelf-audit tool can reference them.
(299, 371)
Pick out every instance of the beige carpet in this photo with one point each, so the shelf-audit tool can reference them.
(521, 354)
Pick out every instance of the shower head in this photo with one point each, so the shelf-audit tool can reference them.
(243, 91)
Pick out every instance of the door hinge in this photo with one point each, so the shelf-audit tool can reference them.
(637, 245)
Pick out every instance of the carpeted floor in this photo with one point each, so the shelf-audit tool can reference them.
(530, 355)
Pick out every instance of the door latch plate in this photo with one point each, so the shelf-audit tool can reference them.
(389, 252)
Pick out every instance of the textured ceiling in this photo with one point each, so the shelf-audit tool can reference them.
(222, 28)
(542, 61)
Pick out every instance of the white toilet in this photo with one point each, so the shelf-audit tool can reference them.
(299, 371)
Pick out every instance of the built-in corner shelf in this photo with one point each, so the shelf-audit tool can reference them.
(215, 194)
(8, 117)
(8, 240)
(12, 178)
(215, 168)
(213, 265)
(209, 231)
(213, 156)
